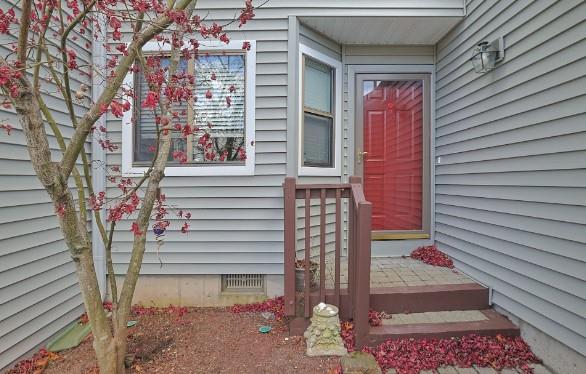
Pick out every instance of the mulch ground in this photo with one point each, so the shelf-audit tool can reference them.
(203, 340)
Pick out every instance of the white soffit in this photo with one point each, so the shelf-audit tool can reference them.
(382, 30)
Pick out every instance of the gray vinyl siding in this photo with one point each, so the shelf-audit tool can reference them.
(237, 223)
(511, 185)
(39, 294)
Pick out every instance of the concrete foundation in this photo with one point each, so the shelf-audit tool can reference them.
(556, 356)
(196, 290)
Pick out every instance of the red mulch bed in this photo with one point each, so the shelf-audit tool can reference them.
(226, 340)
(202, 340)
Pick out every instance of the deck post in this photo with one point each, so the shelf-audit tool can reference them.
(289, 244)
(362, 274)
(352, 247)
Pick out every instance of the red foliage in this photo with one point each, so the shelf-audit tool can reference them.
(410, 356)
(247, 13)
(7, 128)
(35, 364)
(374, 318)
(432, 256)
(135, 229)
(139, 310)
(116, 212)
(151, 101)
(96, 202)
(60, 210)
(347, 335)
(6, 19)
(118, 108)
(275, 306)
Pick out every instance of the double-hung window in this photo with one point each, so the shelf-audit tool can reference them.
(320, 114)
(220, 114)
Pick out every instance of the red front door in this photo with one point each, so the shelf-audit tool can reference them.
(393, 152)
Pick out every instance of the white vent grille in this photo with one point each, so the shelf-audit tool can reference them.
(243, 282)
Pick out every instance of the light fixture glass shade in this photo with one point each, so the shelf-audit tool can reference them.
(484, 58)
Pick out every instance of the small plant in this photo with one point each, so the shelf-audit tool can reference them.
(300, 264)
(300, 274)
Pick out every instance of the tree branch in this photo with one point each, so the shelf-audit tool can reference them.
(84, 124)
(157, 174)
(25, 21)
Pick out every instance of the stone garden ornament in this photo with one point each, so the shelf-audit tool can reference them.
(323, 334)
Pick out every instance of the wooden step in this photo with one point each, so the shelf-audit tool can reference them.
(431, 298)
(411, 299)
(493, 324)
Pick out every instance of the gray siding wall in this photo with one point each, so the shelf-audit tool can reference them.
(511, 185)
(237, 223)
(39, 294)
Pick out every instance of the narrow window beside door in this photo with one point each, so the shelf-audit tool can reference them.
(318, 119)
(320, 113)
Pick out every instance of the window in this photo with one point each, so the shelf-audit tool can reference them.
(221, 113)
(320, 114)
(318, 119)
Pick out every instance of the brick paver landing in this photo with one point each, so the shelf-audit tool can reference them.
(397, 272)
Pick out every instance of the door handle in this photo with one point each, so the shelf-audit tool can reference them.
(360, 156)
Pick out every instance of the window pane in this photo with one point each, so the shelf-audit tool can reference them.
(146, 132)
(317, 140)
(317, 86)
(221, 116)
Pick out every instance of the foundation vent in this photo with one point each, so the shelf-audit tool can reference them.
(243, 282)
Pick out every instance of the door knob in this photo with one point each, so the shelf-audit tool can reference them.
(361, 155)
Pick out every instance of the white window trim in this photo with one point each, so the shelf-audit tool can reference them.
(202, 170)
(336, 170)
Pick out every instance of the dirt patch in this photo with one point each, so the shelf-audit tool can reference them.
(203, 340)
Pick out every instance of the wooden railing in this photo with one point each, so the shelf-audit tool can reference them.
(353, 301)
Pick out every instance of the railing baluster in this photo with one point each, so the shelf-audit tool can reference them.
(289, 255)
(338, 244)
(322, 245)
(307, 299)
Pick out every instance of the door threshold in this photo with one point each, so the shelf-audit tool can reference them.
(398, 236)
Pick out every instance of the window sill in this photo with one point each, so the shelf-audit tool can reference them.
(195, 171)
(316, 171)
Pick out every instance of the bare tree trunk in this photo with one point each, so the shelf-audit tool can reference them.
(74, 231)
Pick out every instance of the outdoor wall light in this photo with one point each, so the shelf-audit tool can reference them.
(487, 54)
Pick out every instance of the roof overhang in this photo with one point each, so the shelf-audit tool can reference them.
(383, 30)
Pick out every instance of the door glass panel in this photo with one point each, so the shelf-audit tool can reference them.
(393, 162)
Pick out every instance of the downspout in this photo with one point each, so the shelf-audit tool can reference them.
(98, 153)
